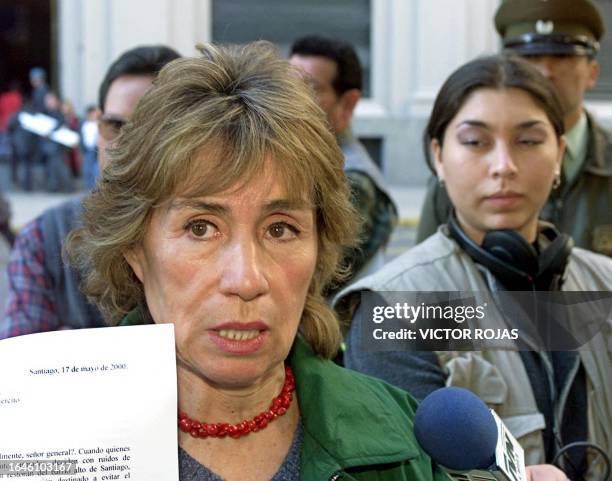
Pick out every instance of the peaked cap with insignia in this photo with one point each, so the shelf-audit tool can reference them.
(550, 27)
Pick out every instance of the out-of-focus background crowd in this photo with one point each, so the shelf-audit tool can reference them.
(55, 52)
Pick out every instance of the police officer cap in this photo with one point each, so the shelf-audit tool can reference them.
(550, 27)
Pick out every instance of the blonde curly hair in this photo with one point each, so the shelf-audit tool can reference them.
(249, 104)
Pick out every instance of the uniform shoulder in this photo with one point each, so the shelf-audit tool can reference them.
(601, 142)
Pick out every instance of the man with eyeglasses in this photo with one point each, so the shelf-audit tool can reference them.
(44, 292)
(331, 66)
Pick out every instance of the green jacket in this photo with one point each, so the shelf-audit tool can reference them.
(355, 427)
(581, 208)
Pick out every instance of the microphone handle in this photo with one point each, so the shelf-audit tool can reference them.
(477, 475)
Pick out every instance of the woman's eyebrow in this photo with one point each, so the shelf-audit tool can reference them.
(529, 123)
(218, 208)
(479, 123)
(473, 123)
(212, 207)
(287, 204)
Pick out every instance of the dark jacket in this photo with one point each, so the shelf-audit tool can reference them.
(355, 427)
(581, 208)
(49, 146)
(38, 97)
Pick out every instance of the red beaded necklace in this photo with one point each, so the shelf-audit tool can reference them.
(277, 408)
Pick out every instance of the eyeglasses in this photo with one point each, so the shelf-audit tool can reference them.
(110, 126)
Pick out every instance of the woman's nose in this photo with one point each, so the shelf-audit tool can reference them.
(503, 162)
(243, 270)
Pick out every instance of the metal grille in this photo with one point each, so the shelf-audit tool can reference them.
(282, 22)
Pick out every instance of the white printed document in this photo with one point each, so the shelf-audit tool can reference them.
(89, 405)
(44, 125)
(65, 136)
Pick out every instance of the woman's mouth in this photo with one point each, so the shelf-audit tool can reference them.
(237, 335)
(504, 199)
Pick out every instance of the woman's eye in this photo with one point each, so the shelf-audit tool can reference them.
(201, 229)
(530, 141)
(472, 142)
(282, 231)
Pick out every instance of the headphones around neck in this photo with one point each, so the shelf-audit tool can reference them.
(515, 262)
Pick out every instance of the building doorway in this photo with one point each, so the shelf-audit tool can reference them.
(26, 41)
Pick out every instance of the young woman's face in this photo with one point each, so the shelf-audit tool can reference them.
(498, 159)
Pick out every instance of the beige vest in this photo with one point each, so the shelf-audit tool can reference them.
(498, 377)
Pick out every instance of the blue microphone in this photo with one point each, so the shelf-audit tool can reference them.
(461, 433)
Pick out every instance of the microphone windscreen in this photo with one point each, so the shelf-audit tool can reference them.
(456, 429)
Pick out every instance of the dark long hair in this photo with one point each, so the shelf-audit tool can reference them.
(499, 72)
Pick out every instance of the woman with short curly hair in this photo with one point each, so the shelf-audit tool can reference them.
(224, 210)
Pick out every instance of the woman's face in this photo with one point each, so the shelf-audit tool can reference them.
(231, 271)
(499, 158)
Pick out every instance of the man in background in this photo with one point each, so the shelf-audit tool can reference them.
(40, 89)
(22, 143)
(561, 39)
(44, 293)
(38, 81)
(11, 102)
(333, 70)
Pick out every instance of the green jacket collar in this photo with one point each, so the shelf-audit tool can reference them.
(132, 318)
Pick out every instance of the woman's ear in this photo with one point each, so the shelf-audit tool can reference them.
(436, 156)
(134, 257)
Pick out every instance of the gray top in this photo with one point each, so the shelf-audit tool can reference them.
(356, 157)
(191, 470)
